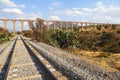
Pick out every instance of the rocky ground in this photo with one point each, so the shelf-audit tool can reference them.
(75, 68)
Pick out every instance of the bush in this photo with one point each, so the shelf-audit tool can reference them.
(103, 32)
(113, 48)
(106, 26)
(119, 44)
(98, 27)
(118, 32)
(107, 36)
(65, 38)
(106, 39)
(87, 40)
(4, 35)
(26, 33)
(113, 26)
(45, 36)
(53, 42)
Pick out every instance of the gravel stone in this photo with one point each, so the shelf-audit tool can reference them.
(73, 67)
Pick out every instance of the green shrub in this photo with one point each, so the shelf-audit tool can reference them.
(53, 42)
(4, 35)
(65, 38)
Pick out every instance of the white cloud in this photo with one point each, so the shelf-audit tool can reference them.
(69, 12)
(54, 18)
(15, 13)
(88, 10)
(100, 4)
(12, 10)
(56, 4)
(51, 8)
(100, 13)
(33, 6)
(22, 6)
(8, 3)
(32, 16)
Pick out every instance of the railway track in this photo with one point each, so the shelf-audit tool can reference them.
(23, 59)
(25, 63)
(4, 46)
(5, 55)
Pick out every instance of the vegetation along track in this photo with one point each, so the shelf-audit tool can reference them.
(25, 63)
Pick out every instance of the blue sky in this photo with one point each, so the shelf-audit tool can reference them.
(107, 11)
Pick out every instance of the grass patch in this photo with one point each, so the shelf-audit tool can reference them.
(104, 54)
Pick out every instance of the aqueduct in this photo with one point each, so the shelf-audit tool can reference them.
(14, 23)
(67, 24)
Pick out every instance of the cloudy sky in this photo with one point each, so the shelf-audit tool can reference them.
(107, 11)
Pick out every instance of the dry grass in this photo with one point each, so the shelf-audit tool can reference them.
(111, 62)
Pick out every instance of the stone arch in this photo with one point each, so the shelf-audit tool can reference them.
(18, 25)
(9, 25)
(84, 26)
(79, 26)
(34, 23)
(69, 25)
(26, 25)
(50, 25)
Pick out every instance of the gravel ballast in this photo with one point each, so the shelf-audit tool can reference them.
(72, 66)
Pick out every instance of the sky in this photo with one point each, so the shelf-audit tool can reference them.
(106, 11)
